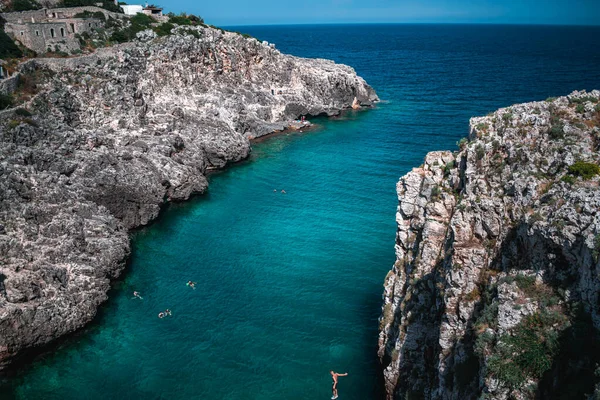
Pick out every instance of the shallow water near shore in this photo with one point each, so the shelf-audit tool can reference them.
(289, 285)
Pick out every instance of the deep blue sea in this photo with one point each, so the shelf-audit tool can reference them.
(289, 285)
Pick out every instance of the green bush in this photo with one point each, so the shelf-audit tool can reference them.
(191, 31)
(164, 29)
(86, 14)
(120, 36)
(139, 22)
(24, 5)
(180, 20)
(550, 99)
(568, 179)
(584, 169)
(529, 351)
(580, 108)
(106, 4)
(480, 152)
(22, 112)
(462, 143)
(8, 48)
(6, 101)
(557, 128)
(142, 20)
(581, 100)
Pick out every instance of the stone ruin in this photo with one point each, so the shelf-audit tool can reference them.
(53, 29)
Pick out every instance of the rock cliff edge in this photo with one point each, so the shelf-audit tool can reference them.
(101, 141)
(494, 293)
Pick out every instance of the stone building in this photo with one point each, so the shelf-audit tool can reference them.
(53, 29)
(155, 12)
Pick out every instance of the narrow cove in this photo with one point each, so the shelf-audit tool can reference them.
(289, 285)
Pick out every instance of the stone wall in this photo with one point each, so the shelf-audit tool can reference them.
(9, 85)
(54, 13)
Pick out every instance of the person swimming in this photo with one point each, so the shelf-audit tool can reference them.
(191, 284)
(283, 191)
(161, 315)
(137, 294)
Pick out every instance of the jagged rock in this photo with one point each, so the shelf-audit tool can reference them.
(495, 240)
(112, 137)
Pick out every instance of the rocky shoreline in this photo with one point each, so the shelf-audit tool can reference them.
(98, 143)
(495, 289)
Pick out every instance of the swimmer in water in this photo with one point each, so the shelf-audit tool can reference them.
(283, 191)
(168, 312)
(137, 294)
(191, 284)
(161, 315)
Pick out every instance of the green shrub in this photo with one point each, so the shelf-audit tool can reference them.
(529, 351)
(180, 20)
(164, 29)
(6, 101)
(551, 99)
(462, 143)
(435, 192)
(8, 48)
(580, 108)
(557, 128)
(13, 123)
(568, 179)
(581, 100)
(449, 167)
(506, 117)
(191, 31)
(22, 112)
(480, 152)
(106, 4)
(120, 36)
(584, 169)
(141, 20)
(24, 5)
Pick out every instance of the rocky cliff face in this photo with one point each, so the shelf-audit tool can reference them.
(105, 139)
(494, 293)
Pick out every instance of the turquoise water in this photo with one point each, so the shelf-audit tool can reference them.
(289, 285)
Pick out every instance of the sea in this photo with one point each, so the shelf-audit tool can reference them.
(289, 285)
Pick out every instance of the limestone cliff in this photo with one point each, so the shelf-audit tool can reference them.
(102, 141)
(494, 293)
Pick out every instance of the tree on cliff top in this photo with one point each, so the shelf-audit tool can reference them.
(23, 5)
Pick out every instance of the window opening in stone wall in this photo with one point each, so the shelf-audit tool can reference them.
(52, 32)
(73, 28)
(62, 32)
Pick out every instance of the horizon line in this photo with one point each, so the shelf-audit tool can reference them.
(414, 23)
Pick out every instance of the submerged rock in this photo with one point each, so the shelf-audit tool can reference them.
(495, 290)
(114, 135)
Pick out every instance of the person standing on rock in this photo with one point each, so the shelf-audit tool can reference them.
(334, 376)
